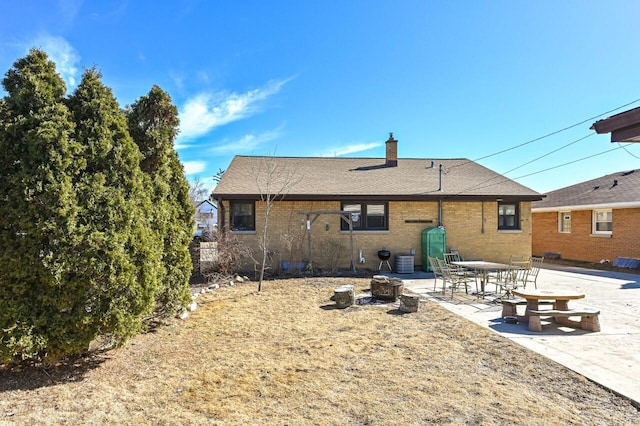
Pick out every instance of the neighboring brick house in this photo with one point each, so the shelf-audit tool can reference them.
(591, 221)
(485, 215)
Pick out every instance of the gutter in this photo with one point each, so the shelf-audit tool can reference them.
(625, 205)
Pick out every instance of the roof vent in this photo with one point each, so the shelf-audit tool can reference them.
(628, 173)
(596, 187)
(615, 182)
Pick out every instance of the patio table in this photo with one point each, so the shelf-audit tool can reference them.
(483, 267)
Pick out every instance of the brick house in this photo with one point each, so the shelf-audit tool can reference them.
(590, 221)
(391, 200)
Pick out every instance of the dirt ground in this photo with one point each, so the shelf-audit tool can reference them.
(287, 356)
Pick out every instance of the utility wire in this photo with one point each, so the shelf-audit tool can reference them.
(549, 153)
(627, 151)
(505, 179)
(559, 131)
(482, 184)
(571, 162)
(502, 175)
(548, 134)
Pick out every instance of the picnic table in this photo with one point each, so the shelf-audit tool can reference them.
(560, 311)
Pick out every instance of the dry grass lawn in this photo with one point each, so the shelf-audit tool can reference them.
(285, 356)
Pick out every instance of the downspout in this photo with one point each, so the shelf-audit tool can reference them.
(440, 199)
(221, 214)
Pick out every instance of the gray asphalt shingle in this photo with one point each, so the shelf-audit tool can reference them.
(339, 176)
(620, 187)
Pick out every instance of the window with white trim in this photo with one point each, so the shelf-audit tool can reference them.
(564, 222)
(603, 221)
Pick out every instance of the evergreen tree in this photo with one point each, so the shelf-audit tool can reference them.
(118, 261)
(153, 122)
(38, 160)
(89, 243)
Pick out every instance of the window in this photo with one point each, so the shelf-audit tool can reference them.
(564, 222)
(508, 216)
(243, 216)
(372, 217)
(602, 221)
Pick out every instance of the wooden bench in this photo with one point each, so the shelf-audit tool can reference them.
(588, 318)
(509, 306)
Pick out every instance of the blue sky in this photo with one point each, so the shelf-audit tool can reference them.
(461, 79)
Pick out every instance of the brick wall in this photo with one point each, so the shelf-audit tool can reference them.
(580, 244)
(471, 227)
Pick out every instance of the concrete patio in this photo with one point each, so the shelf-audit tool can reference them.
(610, 357)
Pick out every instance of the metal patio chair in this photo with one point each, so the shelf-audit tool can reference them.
(534, 270)
(456, 277)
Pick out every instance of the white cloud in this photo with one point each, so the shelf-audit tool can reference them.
(179, 146)
(349, 149)
(206, 111)
(247, 143)
(63, 54)
(194, 167)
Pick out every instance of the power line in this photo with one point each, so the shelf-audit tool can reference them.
(549, 153)
(482, 184)
(505, 179)
(574, 161)
(627, 151)
(502, 175)
(557, 131)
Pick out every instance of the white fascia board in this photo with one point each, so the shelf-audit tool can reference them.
(627, 205)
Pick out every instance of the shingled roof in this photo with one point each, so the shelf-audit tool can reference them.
(333, 178)
(620, 190)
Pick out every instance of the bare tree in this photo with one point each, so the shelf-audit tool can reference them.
(274, 180)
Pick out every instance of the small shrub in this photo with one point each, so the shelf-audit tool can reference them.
(225, 255)
(334, 252)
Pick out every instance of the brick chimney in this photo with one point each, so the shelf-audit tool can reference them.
(392, 151)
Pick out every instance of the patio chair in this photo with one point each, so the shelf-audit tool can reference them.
(437, 273)
(456, 277)
(512, 278)
(515, 277)
(454, 256)
(516, 263)
(534, 269)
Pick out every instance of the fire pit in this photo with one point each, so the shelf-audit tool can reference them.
(385, 288)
